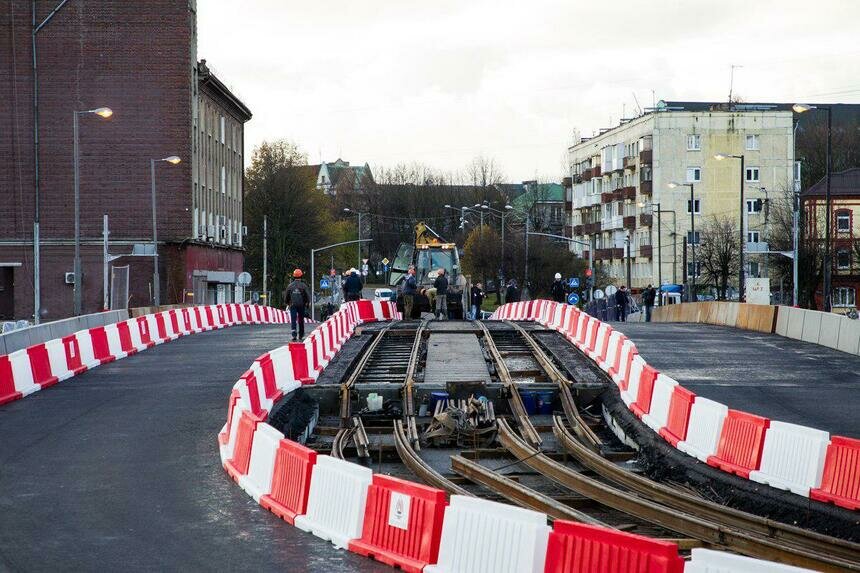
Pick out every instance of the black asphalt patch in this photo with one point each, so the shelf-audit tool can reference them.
(118, 469)
(764, 374)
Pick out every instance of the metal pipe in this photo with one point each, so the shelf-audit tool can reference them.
(105, 263)
(156, 284)
(741, 270)
(828, 206)
(265, 260)
(77, 260)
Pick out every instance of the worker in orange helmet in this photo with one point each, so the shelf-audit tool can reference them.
(296, 297)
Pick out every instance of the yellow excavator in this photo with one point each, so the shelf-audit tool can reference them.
(429, 252)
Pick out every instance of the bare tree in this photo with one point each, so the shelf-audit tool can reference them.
(483, 172)
(719, 252)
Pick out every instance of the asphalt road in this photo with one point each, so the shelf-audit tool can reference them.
(764, 374)
(118, 469)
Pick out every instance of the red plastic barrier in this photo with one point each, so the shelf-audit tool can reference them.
(73, 354)
(604, 347)
(7, 382)
(40, 366)
(642, 404)
(224, 436)
(291, 481)
(267, 371)
(178, 329)
(741, 443)
(238, 465)
(579, 548)
(680, 405)
(145, 333)
(125, 342)
(299, 356)
(840, 483)
(616, 363)
(365, 310)
(250, 381)
(626, 380)
(402, 523)
(101, 348)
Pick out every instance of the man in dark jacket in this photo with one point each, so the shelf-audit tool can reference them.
(352, 286)
(558, 290)
(648, 297)
(296, 297)
(476, 300)
(441, 286)
(410, 289)
(512, 294)
(621, 303)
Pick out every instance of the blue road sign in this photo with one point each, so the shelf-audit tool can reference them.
(324, 283)
(385, 268)
(573, 282)
(573, 298)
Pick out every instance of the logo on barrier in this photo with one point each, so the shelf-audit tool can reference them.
(398, 510)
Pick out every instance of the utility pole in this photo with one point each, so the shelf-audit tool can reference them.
(794, 265)
(627, 241)
(526, 269)
(106, 260)
(265, 258)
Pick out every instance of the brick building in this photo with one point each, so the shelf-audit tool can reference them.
(139, 59)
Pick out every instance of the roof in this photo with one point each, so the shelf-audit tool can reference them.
(543, 193)
(354, 175)
(844, 183)
(213, 86)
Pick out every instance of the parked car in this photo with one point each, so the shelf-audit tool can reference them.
(384, 294)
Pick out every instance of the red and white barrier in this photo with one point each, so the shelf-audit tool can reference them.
(704, 428)
(840, 483)
(710, 561)
(741, 440)
(661, 398)
(792, 458)
(264, 447)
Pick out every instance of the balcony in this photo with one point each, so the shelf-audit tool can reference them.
(610, 196)
(567, 182)
(601, 254)
(595, 171)
(630, 222)
(645, 156)
(568, 206)
(577, 230)
(617, 253)
(646, 220)
(646, 251)
(613, 222)
(630, 162)
(628, 193)
(646, 187)
(591, 228)
(587, 174)
(585, 255)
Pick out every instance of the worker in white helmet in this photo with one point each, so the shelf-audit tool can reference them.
(558, 290)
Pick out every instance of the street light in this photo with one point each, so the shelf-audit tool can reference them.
(673, 185)
(801, 108)
(103, 112)
(156, 284)
(348, 210)
(741, 271)
(658, 210)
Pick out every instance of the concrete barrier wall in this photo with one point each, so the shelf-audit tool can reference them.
(18, 339)
(144, 310)
(827, 329)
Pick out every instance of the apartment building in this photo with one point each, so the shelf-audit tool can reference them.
(620, 184)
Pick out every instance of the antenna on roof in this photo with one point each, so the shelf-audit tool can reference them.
(638, 107)
(732, 80)
(653, 99)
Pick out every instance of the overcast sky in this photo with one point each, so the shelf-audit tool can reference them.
(442, 81)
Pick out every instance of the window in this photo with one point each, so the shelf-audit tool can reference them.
(843, 221)
(752, 174)
(694, 142)
(753, 269)
(223, 179)
(753, 237)
(693, 239)
(754, 205)
(696, 206)
(694, 174)
(845, 297)
(690, 269)
(222, 129)
(843, 259)
(752, 143)
(797, 171)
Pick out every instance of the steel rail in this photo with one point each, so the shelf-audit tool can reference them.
(696, 527)
(347, 386)
(519, 494)
(683, 501)
(408, 390)
(515, 401)
(419, 467)
(568, 404)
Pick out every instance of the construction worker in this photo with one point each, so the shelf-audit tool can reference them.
(441, 286)
(297, 299)
(352, 286)
(410, 288)
(558, 290)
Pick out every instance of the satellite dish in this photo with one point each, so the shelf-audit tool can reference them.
(611, 290)
(598, 294)
(244, 279)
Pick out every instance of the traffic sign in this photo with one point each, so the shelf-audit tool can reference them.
(573, 282)
(385, 261)
(573, 298)
(384, 266)
(332, 272)
(611, 290)
(365, 261)
(244, 279)
(598, 294)
(324, 283)
(588, 272)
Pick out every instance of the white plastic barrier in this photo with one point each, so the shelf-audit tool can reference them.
(57, 359)
(134, 334)
(661, 398)
(792, 457)
(282, 366)
(626, 349)
(171, 332)
(22, 372)
(336, 501)
(629, 396)
(85, 344)
(704, 428)
(581, 330)
(226, 450)
(710, 561)
(264, 448)
(481, 536)
(611, 350)
(114, 344)
(256, 378)
(602, 331)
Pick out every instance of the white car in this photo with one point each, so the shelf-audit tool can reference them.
(383, 294)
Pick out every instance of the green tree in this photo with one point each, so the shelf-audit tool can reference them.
(280, 186)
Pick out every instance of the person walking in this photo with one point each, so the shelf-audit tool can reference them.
(352, 286)
(410, 289)
(621, 303)
(512, 294)
(648, 301)
(476, 300)
(441, 286)
(558, 290)
(297, 298)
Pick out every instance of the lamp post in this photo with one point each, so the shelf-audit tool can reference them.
(741, 271)
(627, 245)
(658, 210)
(156, 284)
(103, 112)
(801, 108)
(673, 185)
(313, 277)
(348, 210)
(501, 214)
